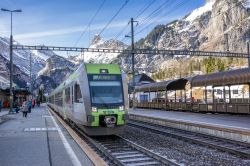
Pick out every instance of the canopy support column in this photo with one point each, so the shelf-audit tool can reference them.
(213, 95)
(175, 96)
(249, 93)
(185, 96)
(214, 102)
(156, 97)
(229, 93)
(149, 99)
(206, 94)
(166, 99)
(181, 95)
(224, 94)
(224, 98)
(191, 97)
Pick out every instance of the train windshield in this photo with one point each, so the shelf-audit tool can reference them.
(106, 92)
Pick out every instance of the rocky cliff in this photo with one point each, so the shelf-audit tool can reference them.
(219, 25)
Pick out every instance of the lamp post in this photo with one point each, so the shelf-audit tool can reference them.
(11, 56)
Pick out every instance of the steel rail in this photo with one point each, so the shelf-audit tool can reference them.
(106, 149)
(237, 148)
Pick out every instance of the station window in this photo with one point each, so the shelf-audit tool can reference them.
(78, 94)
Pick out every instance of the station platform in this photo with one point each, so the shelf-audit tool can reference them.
(234, 127)
(38, 140)
(4, 111)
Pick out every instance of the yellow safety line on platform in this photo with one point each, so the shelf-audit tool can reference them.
(97, 160)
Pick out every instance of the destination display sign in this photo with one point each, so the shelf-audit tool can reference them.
(104, 77)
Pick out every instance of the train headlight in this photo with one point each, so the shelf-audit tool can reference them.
(121, 108)
(94, 109)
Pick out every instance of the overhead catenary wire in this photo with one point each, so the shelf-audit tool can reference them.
(161, 6)
(219, 13)
(152, 13)
(112, 18)
(90, 22)
(143, 9)
(157, 18)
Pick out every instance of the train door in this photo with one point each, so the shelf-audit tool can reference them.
(64, 103)
(78, 103)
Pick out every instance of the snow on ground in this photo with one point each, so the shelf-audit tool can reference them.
(198, 12)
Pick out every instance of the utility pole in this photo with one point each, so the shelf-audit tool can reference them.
(31, 87)
(248, 53)
(11, 66)
(133, 58)
(82, 57)
(11, 56)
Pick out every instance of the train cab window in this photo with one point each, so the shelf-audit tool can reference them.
(78, 94)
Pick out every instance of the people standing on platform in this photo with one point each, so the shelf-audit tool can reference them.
(25, 109)
(16, 106)
(33, 103)
(38, 103)
(29, 103)
(1, 105)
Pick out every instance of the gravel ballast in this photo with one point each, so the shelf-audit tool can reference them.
(183, 152)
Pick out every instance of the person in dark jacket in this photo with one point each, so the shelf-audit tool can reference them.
(29, 103)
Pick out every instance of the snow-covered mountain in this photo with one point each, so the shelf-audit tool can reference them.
(20, 78)
(219, 25)
(99, 42)
(21, 63)
(55, 70)
(21, 58)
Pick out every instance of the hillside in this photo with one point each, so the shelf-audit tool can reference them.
(219, 25)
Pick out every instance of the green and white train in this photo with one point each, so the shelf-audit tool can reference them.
(94, 98)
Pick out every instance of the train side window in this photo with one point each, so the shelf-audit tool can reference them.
(67, 95)
(78, 94)
(72, 94)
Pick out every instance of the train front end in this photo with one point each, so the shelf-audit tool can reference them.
(108, 97)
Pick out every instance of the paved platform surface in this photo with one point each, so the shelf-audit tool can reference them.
(37, 141)
(221, 120)
(4, 111)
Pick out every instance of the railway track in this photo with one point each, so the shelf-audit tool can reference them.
(120, 151)
(123, 152)
(238, 148)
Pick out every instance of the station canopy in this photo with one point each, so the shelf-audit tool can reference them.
(231, 77)
(152, 87)
(177, 84)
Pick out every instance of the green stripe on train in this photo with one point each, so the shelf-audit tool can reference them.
(95, 68)
(120, 115)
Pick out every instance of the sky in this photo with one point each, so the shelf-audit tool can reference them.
(62, 22)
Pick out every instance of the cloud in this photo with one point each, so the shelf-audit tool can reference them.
(66, 31)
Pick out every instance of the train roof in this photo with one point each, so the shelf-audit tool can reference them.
(90, 69)
(98, 68)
